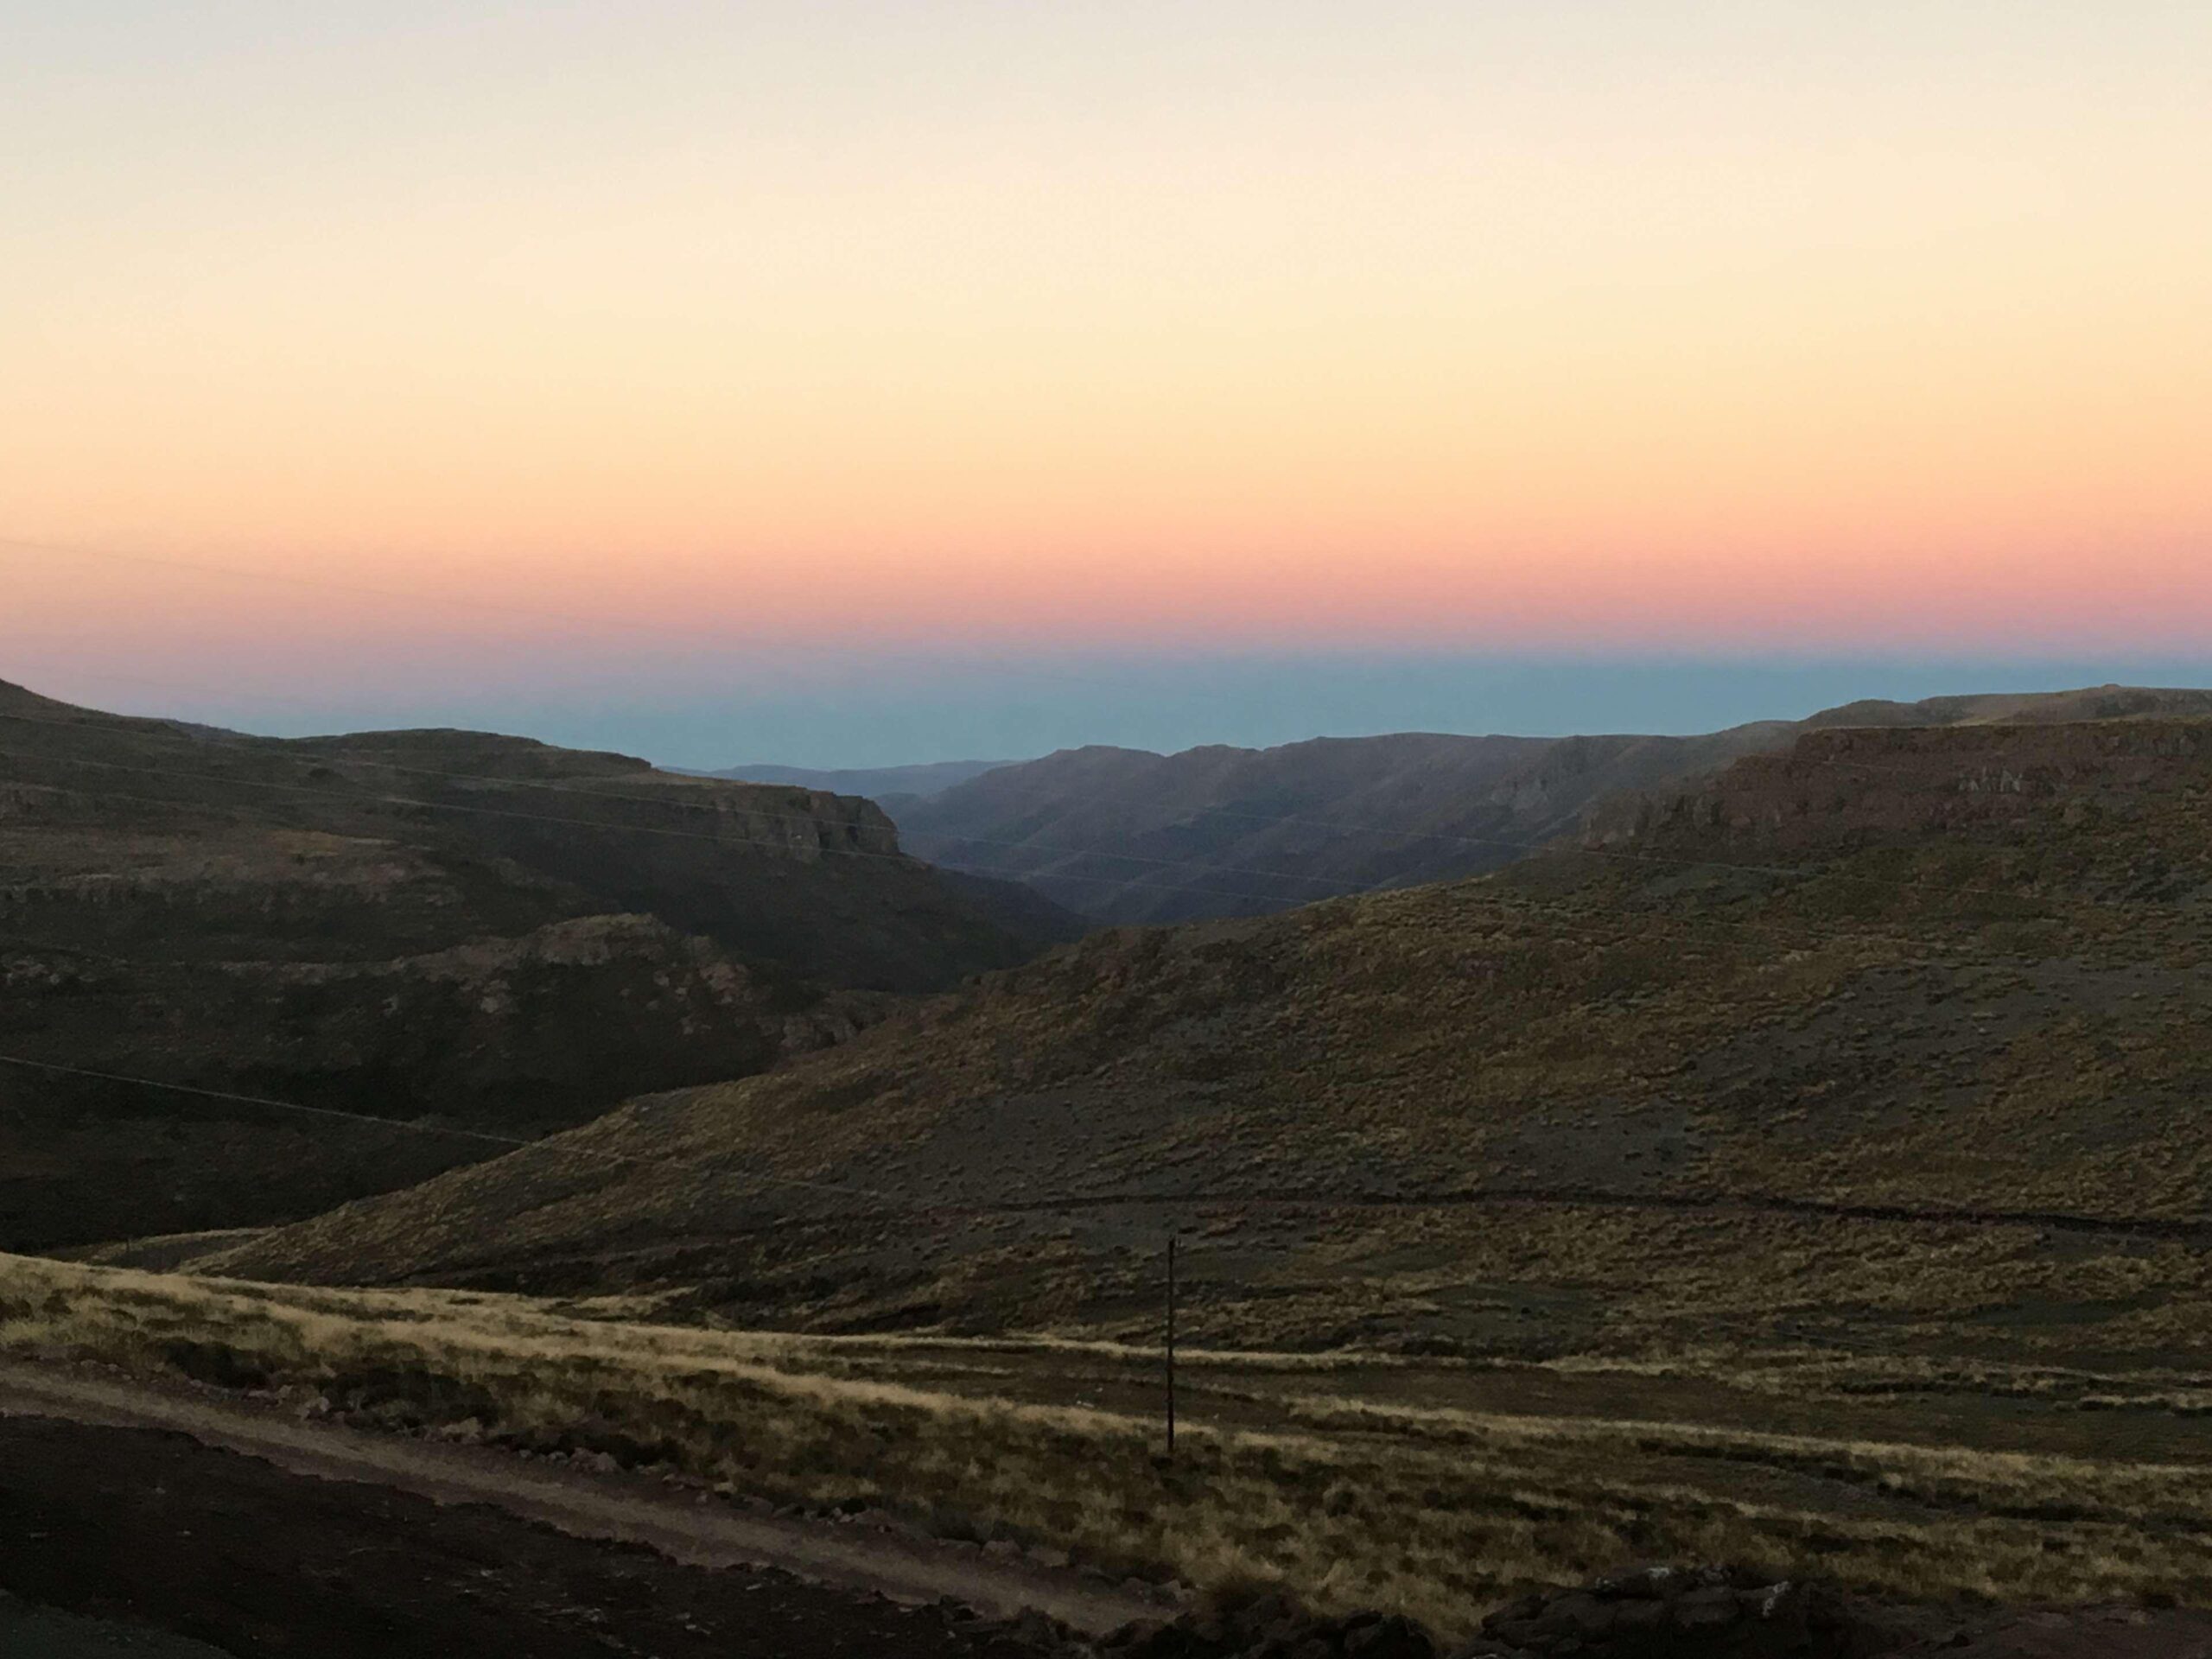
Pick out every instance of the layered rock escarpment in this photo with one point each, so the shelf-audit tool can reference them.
(443, 929)
(1127, 836)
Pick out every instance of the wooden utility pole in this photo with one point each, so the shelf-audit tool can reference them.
(1170, 1344)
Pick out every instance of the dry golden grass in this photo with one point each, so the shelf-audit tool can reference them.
(1321, 1469)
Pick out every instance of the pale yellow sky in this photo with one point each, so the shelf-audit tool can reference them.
(1636, 324)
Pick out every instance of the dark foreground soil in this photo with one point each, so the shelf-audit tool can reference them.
(42, 1633)
(120, 1543)
(151, 1529)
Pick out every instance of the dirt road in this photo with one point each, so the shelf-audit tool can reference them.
(128, 1511)
(165, 1496)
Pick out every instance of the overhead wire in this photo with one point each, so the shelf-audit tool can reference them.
(1278, 1200)
(511, 1143)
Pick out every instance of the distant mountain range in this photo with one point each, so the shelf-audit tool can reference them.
(1128, 836)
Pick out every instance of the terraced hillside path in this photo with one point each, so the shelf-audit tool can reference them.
(680, 1523)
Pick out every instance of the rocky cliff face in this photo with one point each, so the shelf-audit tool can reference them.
(2071, 796)
(479, 932)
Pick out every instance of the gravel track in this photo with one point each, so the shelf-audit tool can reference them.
(117, 1423)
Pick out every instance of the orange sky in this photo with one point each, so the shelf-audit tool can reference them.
(1663, 326)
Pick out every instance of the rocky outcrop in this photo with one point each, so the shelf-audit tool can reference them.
(2075, 786)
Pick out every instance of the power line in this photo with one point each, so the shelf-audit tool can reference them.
(1080, 1206)
(601, 624)
(1073, 1208)
(513, 1142)
(262, 1100)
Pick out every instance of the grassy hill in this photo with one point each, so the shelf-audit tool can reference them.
(481, 932)
(1892, 1041)
(1126, 835)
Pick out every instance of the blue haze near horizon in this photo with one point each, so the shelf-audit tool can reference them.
(901, 714)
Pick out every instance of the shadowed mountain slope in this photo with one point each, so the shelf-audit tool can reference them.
(1126, 835)
(482, 930)
(1874, 1030)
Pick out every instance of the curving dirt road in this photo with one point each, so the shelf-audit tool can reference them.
(133, 1516)
(245, 1478)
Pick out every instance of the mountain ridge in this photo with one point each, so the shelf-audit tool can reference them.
(1873, 1014)
(1131, 836)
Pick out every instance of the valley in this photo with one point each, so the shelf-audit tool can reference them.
(968, 830)
(1795, 1164)
(1858, 992)
(1125, 836)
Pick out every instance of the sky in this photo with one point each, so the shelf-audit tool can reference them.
(869, 381)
